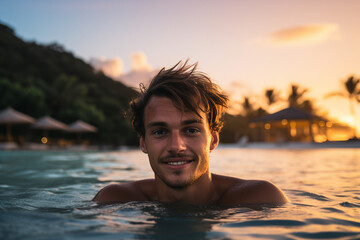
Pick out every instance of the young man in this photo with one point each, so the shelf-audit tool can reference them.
(178, 119)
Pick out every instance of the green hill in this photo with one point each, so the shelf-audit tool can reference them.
(48, 80)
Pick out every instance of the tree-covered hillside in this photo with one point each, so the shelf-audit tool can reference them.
(47, 80)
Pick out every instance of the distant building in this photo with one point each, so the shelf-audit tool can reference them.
(340, 132)
(290, 125)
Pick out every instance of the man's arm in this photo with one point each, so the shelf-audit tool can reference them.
(253, 192)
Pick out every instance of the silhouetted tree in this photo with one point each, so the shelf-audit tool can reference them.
(251, 111)
(271, 96)
(297, 98)
(351, 91)
(295, 95)
(247, 106)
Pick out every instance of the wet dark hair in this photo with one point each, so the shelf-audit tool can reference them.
(188, 89)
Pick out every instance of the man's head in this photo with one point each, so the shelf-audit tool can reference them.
(188, 89)
(178, 118)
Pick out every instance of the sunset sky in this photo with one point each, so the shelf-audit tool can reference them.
(245, 46)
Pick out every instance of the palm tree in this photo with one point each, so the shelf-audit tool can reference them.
(251, 110)
(351, 92)
(297, 99)
(295, 96)
(247, 106)
(271, 96)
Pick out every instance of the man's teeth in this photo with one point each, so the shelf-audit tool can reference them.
(176, 163)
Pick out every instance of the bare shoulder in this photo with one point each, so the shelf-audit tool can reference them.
(125, 192)
(240, 191)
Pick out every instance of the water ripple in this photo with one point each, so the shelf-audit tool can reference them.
(350, 205)
(325, 235)
(331, 209)
(330, 221)
(311, 195)
(257, 223)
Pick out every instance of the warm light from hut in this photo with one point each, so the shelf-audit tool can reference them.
(267, 126)
(329, 124)
(293, 129)
(44, 140)
(320, 138)
(284, 122)
(322, 124)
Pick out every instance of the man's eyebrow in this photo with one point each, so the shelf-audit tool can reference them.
(164, 124)
(156, 124)
(191, 121)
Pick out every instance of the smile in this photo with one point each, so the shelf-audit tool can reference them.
(177, 163)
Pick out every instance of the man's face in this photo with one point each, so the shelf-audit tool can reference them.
(178, 143)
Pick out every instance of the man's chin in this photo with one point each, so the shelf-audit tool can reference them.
(178, 184)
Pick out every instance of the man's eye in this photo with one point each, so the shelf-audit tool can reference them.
(158, 132)
(191, 130)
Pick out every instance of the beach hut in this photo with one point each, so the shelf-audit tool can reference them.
(80, 127)
(9, 117)
(289, 124)
(47, 123)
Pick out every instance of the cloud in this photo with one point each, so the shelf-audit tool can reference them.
(139, 62)
(110, 67)
(141, 70)
(302, 35)
(134, 78)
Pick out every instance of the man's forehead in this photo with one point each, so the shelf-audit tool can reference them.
(157, 101)
(165, 105)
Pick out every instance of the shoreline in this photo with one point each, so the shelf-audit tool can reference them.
(246, 145)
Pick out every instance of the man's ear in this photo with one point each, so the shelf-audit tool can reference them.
(214, 140)
(143, 145)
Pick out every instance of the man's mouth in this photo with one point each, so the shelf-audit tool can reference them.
(178, 163)
(177, 160)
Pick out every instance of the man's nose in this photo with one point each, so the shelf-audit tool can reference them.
(177, 143)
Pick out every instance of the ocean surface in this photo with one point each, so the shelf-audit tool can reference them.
(46, 195)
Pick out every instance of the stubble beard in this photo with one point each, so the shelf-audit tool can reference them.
(183, 183)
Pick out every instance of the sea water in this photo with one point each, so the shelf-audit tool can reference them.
(46, 195)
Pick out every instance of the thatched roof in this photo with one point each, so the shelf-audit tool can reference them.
(11, 116)
(289, 113)
(80, 126)
(48, 123)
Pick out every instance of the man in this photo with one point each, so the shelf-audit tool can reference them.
(178, 119)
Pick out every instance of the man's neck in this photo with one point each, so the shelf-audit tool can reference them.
(201, 192)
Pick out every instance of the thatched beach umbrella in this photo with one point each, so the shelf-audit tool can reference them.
(9, 116)
(48, 123)
(81, 127)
